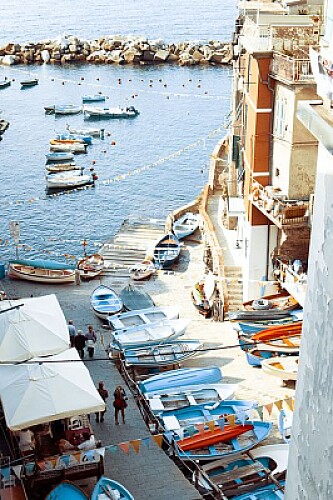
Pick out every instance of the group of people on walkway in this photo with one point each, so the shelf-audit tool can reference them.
(80, 341)
(119, 403)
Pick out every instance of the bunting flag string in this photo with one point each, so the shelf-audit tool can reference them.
(287, 403)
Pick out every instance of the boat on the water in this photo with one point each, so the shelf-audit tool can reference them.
(93, 98)
(62, 167)
(105, 302)
(107, 488)
(174, 379)
(94, 132)
(74, 147)
(222, 443)
(282, 301)
(134, 299)
(62, 156)
(182, 418)
(285, 368)
(189, 395)
(186, 225)
(87, 139)
(97, 112)
(202, 294)
(41, 271)
(29, 83)
(66, 491)
(67, 109)
(166, 250)
(71, 179)
(142, 271)
(144, 335)
(163, 354)
(143, 317)
(5, 83)
(91, 266)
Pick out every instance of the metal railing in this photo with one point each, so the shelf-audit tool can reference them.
(291, 69)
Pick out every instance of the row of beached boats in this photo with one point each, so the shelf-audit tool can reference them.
(105, 488)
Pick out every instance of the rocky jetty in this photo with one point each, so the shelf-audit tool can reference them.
(3, 127)
(116, 49)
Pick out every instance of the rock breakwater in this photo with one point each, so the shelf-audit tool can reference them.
(116, 49)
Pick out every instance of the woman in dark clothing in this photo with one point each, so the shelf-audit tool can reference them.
(80, 343)
(119, 403)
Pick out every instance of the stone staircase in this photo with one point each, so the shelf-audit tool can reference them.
(233, 277)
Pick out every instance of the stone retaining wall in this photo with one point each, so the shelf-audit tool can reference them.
(116, 49)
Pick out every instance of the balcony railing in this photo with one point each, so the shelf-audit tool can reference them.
(277, 208)
(292, 69)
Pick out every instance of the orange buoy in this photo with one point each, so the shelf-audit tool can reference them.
(82, 77)
(113, 143)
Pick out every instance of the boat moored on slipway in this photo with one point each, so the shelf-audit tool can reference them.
(108, 488)
(41, 271)
(162, 354)
(166, 251)
(104, 302)
(143, 316)
(186, 225)
(91, 266)
(66, 491)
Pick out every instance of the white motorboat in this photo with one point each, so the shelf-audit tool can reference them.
(60, 156)
(72, 147)
(129, 112)
(68, 180)
(186, 225)
(143, 317)
(67, 109)
(94, 132)
(144, 335)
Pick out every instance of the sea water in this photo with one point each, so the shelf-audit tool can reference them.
(146, 166)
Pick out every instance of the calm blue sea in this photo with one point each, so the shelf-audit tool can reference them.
(159, 160)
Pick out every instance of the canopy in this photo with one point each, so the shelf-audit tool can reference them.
(46, 389)
(36, 327)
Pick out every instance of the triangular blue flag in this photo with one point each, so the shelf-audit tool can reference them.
(113, 448)
(146, 442)
(191, 430)
(168, 436)
(241, 417)
(65, 459)
(220, 423)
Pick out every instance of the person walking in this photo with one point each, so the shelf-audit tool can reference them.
(80, 343)
(90, 341)
(71, 331)
(119, 403)
(104, 395)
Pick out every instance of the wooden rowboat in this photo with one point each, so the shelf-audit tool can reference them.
(283, 331)
(285, 368)
(143, 270)
(41, 271)
(186, 225)
(167, 250)
(208, 438)
(163, 354)
(135, 299)
(202, 294)
(104, 301)
(145, 316)
(91, 266)
(282, 301)
(66, 491)
(108, 488)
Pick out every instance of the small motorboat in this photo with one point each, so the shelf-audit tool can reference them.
(66, 491)
(144, 335)
(211, 411)
(189, 395)
(55, 157)
(29, 83)
(282, 301)
(5, 83)
(186, 225)
(68, 180)
(129, 112)
(53, 168)
(108, 488)
(166, 251)
(163, 354)
(72, 147)
(91, 266)
(143, 317)
(134, 299)
(67, 109)
(142, 271)
(41, 271)
(174, 379)
(93, 132)
(93, 98)
(87, 139)
(105, 302)
(202, 294)
(223, 443)
(285, 368)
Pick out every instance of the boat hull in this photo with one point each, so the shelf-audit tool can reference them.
(105, 484)
(104, 302)
(162, 355)
(142, 317)
(91, 266)
(209, 438)
(284, 368)
(134, 299)
(66, 491)
(167, 251)
(186, 225)
(29, 272)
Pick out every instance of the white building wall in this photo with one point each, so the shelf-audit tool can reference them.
(310, 468)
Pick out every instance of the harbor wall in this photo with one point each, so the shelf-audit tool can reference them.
(116, 49)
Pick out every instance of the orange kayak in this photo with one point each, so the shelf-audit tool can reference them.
(278, 332)
(208, 438)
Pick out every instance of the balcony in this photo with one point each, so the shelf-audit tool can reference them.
(278, 209)
(291, 69)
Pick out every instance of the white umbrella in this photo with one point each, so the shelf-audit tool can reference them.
(47, 389)
(32, 327)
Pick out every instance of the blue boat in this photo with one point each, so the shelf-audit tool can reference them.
(4, 83)
(224, 449)
(133, 298)
(269, 492)
(253, 327)
(93, 98)
(255, 356)
(180, 378)
(182, 418)
(59, 156)
(108, 488)
(167, 250)
(104, 302)
(87, 139)
(66, 491)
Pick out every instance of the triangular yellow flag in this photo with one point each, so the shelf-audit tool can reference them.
(279, 404)
(231, 419)
(292, 404)
(158, 439)
(211, 425)
(136, 443)
(269, 408)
